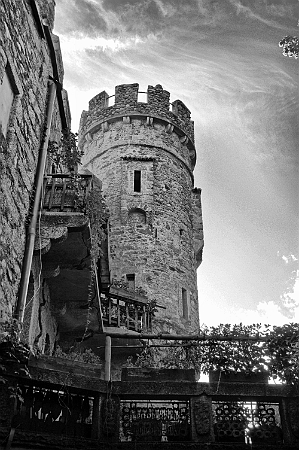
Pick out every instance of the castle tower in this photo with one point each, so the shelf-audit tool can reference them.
(144, 154)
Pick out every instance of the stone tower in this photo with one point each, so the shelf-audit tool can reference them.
(144, 154)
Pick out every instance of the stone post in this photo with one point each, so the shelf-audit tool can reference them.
(202, 419)
(289, 414)
(110, 418)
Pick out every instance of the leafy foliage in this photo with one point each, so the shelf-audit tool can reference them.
(274, 350)
(65, 153)
(86, 356)
(122, 284)
(14, 354)
(97, 211)
(284, 352)
(290, 45)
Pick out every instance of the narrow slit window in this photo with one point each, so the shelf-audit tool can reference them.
(131, 280)
(137, 180)
(185, 304)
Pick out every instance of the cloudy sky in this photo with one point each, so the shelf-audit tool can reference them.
(221, 58)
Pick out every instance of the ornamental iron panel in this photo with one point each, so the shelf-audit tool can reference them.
(154, 420)
(250, 422)
(45, 410)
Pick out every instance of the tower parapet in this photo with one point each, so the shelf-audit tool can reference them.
(175, 116)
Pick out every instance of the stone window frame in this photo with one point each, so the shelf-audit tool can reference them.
(137, 181)
(131, 280)
(10, 68)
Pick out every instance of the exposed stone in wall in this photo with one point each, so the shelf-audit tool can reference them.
(160, 244)
(39, 328)
(24, 56)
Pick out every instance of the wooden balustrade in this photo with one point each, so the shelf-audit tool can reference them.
(65, 192)
(123, 312)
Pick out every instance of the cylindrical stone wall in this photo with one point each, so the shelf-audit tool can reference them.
(144, 155)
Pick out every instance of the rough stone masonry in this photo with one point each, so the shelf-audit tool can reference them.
(25, 67)
(144, 155)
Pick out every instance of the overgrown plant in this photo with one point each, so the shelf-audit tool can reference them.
(97, 211)
(65, 153)
(86, 356)
(14, 355)
(122, 284)
(290, 45)
(273, 350)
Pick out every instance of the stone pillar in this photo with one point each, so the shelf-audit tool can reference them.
(289, 414)
(202, 419)
(96, 415)
(110, 417)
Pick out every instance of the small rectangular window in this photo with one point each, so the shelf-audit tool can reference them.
(185, 304)
(131, 280)
(137, 180)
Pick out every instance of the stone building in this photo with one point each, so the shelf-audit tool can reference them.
(33, 109)
(144, 154)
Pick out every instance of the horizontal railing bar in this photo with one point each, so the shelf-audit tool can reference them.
(62, 175)
(178, 337)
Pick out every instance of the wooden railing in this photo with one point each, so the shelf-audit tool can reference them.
(119, 311)
(65, 192)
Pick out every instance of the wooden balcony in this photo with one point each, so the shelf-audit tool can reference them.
(66, 193)
(121, 308)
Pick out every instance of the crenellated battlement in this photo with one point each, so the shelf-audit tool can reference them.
(129, 101)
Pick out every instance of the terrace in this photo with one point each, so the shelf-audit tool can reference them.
(75, 407)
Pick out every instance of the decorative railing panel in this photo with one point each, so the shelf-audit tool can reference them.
(52, 411)
(145, 421)
(66, 192)
(250, 422)
(126, 313)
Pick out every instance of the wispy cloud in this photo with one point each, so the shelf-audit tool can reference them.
(222, 59)
(250, 13)
(81, 43)
(166, 9)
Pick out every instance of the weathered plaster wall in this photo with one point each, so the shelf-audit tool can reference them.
(39, 327)
(152, 232)
(24, 56)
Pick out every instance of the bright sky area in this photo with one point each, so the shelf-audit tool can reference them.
(221, 58)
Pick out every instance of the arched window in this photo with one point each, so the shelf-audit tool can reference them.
(137, 216)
